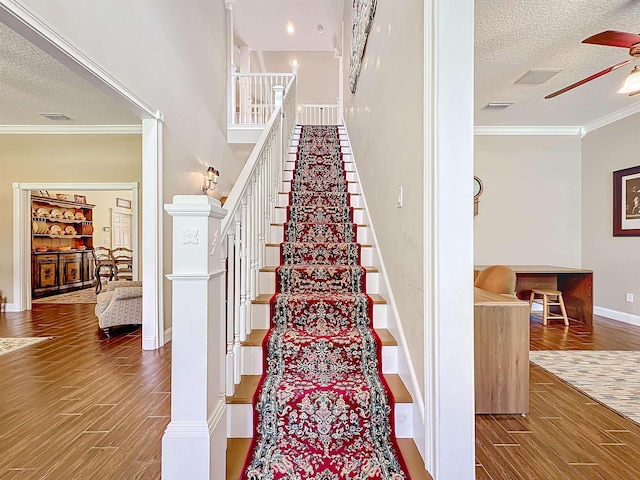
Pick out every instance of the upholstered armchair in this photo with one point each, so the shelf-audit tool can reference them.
(120, 304)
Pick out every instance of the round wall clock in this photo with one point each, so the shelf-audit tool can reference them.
(477, 187)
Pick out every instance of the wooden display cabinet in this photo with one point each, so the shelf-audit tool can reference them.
(62, 244)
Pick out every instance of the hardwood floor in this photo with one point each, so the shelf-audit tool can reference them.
(566, 435)
(82, 406)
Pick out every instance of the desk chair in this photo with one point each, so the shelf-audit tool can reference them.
(497, 279)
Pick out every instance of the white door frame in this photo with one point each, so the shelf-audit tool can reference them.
(25, 22)
(448, 256)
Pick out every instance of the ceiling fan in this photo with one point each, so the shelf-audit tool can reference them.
(612, 39)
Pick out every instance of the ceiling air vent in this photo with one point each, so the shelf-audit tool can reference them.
(55, 116)
(497, 105)
(537, 76)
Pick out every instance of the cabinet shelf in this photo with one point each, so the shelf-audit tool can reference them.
(47, 235)
(58, 220)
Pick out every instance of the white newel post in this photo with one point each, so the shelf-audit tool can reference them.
(194, 443)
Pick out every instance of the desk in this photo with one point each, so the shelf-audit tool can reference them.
(501, 353)
(576, 285)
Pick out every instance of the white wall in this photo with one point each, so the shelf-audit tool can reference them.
(614, 260)
(172, 55)
(530, 210)
(385, 123)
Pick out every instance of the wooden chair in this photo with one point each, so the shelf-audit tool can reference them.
(105, 266)
(549, 298)
(123, 259)
(497, 279)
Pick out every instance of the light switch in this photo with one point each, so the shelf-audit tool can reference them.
(400, 192)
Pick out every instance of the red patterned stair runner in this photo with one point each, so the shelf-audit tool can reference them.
(322, 410)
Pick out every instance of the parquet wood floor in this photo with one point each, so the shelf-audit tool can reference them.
(566, 435)
(82, 406)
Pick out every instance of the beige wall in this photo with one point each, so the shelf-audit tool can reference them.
(530, 210)
(614, 260)
(385, 123)
(63, 159)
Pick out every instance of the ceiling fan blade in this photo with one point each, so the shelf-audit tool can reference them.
(588, 79)
(614, 39)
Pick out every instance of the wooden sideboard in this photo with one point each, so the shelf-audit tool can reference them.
(60, 272)
(576, 285)
(501, 353)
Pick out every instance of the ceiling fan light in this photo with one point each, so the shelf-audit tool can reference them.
(632, 82)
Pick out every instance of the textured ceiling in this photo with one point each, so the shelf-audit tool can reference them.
(32, 82)
(512, 37)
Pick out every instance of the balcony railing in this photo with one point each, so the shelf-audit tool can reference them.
(317, 114)
(252, 96)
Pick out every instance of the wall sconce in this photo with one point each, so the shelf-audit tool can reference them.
(211, 177)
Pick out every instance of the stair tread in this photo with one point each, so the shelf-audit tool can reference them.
(282, 224)
(256, 337)
(273, 269)
(363, 245)
(244, 390)
(265, 298)
(238, 448)
(249, 383)
(350, 193)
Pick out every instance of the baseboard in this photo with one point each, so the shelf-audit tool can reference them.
(167, 335)
(616, 315)
(11, 307)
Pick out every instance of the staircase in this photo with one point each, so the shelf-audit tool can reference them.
(240, 414)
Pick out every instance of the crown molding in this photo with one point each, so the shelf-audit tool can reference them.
(533, 130)
(70, 129)
(16, 15)
(612, 117)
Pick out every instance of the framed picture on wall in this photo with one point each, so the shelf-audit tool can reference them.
(121, 202)
(362, 18)
(626, 202)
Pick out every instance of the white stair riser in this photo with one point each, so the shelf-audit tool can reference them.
(253, 359)
(240, 420)
(261, 316)
(267, 283)
(277, 234)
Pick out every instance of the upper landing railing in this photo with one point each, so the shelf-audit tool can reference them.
(252, 101)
